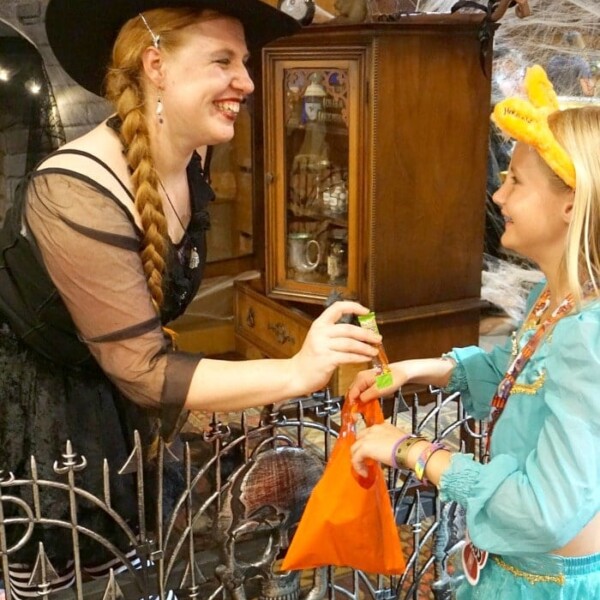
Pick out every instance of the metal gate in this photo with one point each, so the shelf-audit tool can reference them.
(245, 484)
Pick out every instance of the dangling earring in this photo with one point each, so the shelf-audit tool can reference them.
(159, 109)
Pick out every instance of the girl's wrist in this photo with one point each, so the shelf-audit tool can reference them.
(396, 450)
(424, 458)
(415, 452)
(403, 447)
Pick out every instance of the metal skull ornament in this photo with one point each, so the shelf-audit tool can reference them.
(262, 502)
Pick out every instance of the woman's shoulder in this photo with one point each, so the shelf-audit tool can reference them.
(100, 145)
(91, 166)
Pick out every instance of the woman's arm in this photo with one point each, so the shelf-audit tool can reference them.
(89, 247)
(228, 385)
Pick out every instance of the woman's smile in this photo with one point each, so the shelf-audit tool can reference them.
(229, 107)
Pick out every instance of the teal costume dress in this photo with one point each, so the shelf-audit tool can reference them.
(542, 484)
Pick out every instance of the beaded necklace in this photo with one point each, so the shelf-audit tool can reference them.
(503, 391)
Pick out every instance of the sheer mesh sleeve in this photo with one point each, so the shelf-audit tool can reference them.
(89, 245)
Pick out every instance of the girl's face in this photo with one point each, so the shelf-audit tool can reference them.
(536, 212)
(205, 81)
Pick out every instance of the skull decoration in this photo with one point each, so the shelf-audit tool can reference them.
(262, 502)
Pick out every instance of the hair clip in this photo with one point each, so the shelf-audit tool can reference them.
(527, 121)
(155, 38)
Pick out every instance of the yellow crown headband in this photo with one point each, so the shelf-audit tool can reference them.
(527, 121)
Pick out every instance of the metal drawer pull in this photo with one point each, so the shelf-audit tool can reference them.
(281, 334)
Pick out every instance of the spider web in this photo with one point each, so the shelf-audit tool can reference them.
(540, 35)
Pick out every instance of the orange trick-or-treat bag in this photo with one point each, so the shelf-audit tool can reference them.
(348, 520)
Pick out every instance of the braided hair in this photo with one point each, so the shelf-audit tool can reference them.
(125, 89)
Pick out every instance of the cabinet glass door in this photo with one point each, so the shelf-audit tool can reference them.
(313, 201)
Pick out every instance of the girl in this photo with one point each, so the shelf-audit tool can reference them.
(533, 510)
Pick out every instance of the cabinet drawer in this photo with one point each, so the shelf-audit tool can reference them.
(266, 329)
(276, 330)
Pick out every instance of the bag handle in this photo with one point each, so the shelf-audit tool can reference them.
(372, 415)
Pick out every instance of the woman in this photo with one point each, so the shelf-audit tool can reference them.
(535, 505)
(107, 245)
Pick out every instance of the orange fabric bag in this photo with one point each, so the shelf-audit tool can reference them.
(348, 520)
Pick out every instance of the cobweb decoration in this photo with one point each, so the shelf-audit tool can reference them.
(506, 285)
(540, 35)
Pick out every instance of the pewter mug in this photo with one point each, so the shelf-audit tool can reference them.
(304, 252)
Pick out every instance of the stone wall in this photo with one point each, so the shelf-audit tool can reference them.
(79, 111)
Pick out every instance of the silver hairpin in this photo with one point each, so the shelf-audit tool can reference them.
(155, 38)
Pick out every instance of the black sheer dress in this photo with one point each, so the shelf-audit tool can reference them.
(83, 356)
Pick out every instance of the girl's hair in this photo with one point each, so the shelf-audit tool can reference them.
(578, 131)
(125, 88)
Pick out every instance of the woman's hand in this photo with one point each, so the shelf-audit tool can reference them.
(377, 443)
(330, 344)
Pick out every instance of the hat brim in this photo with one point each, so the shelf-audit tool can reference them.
(81, 33)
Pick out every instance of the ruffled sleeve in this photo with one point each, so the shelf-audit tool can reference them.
(476, 376)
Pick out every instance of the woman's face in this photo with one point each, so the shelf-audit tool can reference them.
(536, 212)
(205, 81)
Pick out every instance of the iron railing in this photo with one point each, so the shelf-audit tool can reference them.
(245, 486)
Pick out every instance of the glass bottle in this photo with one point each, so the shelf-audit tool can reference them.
(337, 258)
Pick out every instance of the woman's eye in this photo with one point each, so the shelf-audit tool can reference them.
(223, 61)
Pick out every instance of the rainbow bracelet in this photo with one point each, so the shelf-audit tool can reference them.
(424, 458)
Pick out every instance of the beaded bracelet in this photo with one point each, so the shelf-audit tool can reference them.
(424, 458)
(395, 448)
(401, 452)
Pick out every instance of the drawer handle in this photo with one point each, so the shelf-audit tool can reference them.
(250, 318)
(281, 334)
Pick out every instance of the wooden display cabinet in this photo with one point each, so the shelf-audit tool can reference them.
(376, 140)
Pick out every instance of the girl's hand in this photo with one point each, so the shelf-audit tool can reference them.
(377, 443)
(330, 344)
(363, 387)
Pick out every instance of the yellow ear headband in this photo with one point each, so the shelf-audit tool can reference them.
(527, 121)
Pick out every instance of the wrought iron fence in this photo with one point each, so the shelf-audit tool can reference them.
(245, 485)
